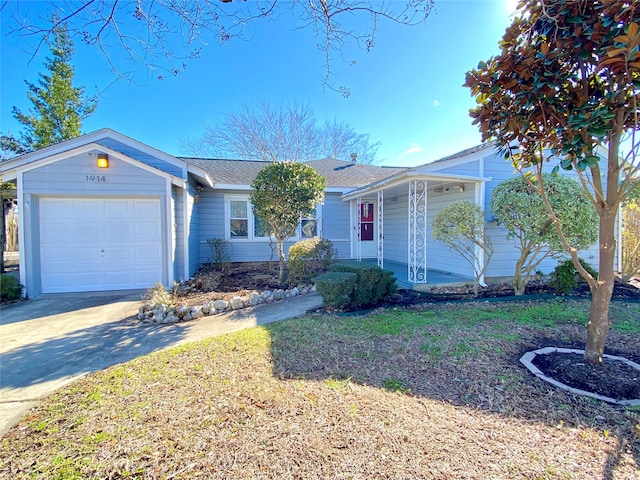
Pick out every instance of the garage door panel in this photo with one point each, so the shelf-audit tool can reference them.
(70, 282)
(146, 208)
(114, 231)
(61, 256)
(148, 253)
(99, 244)
(117, 208)
(146, 277)
(85, 209)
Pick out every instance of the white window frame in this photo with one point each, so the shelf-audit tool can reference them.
(228, 198)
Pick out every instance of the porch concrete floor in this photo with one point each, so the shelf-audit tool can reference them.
(434, 277)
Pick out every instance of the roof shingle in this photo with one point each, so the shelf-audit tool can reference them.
(338, 173)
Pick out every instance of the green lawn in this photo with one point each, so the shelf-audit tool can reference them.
(432, 392)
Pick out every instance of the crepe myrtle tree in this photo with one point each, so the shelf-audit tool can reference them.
(519, 208)
(284, 192)
(563, 93)
(461, 227)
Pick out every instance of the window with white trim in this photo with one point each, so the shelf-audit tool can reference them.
(238, 219)
(242, 224)
(309, 225)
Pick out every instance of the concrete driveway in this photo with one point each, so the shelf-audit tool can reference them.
(52, 340)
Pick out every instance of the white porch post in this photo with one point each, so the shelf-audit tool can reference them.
(479, 198)
(358, 229)
(380, 229)
(417, 223)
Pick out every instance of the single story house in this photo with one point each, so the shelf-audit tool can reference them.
(106, 212)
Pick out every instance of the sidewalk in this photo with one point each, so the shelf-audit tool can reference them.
(52, 340)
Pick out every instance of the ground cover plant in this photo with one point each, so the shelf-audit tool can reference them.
(433, 391)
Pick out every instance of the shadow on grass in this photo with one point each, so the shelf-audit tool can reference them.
(475, 365)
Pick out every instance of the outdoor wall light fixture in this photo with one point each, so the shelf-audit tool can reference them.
(103, 160)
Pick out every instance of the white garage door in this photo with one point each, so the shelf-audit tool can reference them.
(99, 244)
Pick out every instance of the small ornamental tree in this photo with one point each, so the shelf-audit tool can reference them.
(284, 192)
(564, 84)
(461, 226)
(519, 208)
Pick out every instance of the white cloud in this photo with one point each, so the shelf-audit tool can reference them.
(436, 103)
(413, 148)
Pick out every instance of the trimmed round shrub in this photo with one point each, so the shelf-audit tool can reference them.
(336, 288)
(308, 258)
(372, 283)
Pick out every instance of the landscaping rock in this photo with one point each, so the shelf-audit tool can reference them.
(254, 299)
(236, 303)
(196, 312)
(209, 308)
(181, 312)
(221, 305)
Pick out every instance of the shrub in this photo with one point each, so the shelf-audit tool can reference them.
(308, 258)
(460, 226)
(336, 288)
(158, 296)
(519, 207)
(372, 283)
(564, 278)
(10, 288)
(220, 253)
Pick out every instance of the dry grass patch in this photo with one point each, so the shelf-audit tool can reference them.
(433, 393)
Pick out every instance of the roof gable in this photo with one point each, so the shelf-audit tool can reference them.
(111, 140)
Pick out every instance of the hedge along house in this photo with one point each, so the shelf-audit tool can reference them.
(106, 212)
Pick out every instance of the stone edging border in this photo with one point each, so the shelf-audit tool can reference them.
(164, 315)
(528, 357)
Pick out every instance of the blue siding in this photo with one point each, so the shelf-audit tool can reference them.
(193, 230)
(211, 212)
(396, 227)
(79, 175)
(336, 224)
(177, 202)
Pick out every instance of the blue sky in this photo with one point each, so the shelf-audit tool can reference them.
(406, 93)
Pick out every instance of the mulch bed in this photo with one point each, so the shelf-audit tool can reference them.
(613, 379)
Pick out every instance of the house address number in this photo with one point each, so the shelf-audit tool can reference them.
(96, 178)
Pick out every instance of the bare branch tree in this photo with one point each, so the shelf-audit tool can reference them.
(286, 132)
(340, 140)
(168, 33)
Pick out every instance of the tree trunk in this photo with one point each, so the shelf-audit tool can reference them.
(519, 282)
(599, 321)
(282, 261)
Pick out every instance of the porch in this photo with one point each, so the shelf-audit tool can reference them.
(433, 277)
(391, 226)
